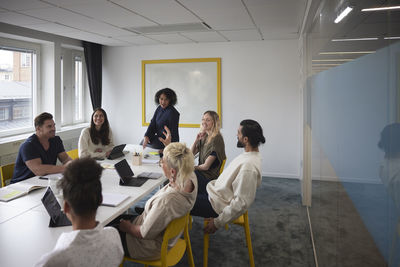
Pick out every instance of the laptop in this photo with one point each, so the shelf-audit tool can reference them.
(116, 152)
(126, 175)
(57, 217)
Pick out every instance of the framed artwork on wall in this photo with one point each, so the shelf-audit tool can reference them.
(196, 81)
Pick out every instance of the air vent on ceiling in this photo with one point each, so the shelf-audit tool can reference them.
(169, 28)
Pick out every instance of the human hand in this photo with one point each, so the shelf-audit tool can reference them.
(168, 137)
(210, 227)
(125, 226)
(108, 153)
(200, 136)
(145, 141)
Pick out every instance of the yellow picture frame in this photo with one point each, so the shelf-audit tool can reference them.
(162, 72)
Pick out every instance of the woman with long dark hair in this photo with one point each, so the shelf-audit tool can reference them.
(96, 141)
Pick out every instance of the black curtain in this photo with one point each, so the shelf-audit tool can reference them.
(94, 71)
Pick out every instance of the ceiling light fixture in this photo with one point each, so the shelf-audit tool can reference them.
(380, 8)
(346, 53)
(355, 39)
(392, 38)
(343, 14)
(325, 65)
(337, 59)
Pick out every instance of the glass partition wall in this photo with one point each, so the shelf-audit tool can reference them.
(352, 89)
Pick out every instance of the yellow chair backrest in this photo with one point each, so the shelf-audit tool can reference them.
(73, 154)
(222, 166)
(172, 256)
(174, 228)
(7, 172)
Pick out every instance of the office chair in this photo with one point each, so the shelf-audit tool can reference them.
(172, 256)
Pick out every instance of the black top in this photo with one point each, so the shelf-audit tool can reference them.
(163, 117)
(33, 149)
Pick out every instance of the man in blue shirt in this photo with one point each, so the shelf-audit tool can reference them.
(38, 154)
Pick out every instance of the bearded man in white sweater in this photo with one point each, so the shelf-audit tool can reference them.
(230, 195)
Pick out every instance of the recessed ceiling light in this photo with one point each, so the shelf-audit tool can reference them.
(343, 14)
(346, 53)
(355, 39)
(325, 64)
(334, 59)
(381, 8)
(392, 38)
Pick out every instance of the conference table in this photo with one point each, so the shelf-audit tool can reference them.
(24, 232)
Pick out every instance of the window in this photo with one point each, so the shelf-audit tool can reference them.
(17, 87)
(25, 60)
(78, 89)
(72, 86)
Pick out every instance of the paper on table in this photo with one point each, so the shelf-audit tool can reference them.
(113, 200)
(107, 166)
(52, 176)
(20, 189)
(150, 161)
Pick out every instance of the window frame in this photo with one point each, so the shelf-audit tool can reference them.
(34, 48)
(69, 54)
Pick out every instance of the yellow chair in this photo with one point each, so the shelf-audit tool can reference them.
(73, 154)
(173, 256)
(7, 172)
(222, 166)
(243, 221)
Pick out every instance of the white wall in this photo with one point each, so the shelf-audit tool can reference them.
(260, 80)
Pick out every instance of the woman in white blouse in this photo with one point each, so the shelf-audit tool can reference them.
(96, 141)
(144, 234)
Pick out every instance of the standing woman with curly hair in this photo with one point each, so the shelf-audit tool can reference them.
(165, 115)
(96, 141)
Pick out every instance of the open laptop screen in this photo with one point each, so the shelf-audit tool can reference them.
(123, 169)
(51, 204)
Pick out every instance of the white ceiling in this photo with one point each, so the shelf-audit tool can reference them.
(104, 21)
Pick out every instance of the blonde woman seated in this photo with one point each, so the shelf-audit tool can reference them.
(96, 141)
(210, 146)
(144, 234)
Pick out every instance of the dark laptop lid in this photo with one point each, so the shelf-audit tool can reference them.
(51, 204)
(123, 169)
(118, 149)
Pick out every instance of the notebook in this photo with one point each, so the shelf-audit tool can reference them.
(20, 189)
(113, 200)
(57, 217)
(116, 152)
(126, 175)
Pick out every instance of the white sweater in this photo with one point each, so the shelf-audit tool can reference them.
(86, 148)
(94, 247)
(235, 189)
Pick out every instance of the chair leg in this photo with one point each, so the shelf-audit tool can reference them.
(248, 239)
(188, 247)
(190, 222)
(206, 240)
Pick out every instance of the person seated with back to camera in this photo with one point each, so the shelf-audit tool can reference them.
(89, 244)
(39, 153)
(142, 237)
(96, 141)
(210, 146)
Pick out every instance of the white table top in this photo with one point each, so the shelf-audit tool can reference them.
(25, 235)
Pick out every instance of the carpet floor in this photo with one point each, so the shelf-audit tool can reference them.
(340, 235)
(279, 231)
